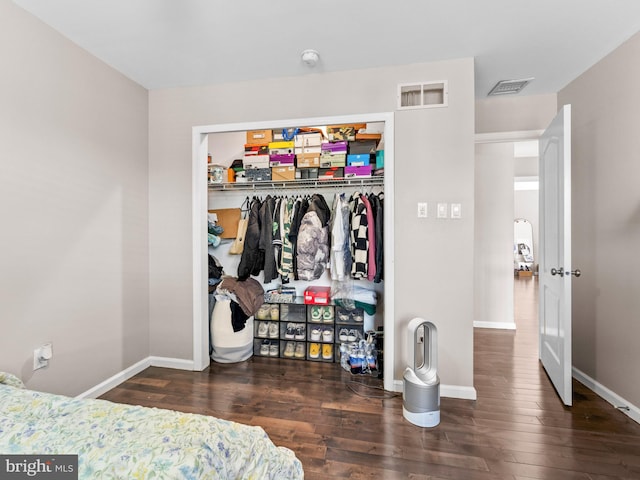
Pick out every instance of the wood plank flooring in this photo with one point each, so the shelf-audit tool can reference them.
(517, 429)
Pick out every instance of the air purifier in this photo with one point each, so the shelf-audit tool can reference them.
(421, 385)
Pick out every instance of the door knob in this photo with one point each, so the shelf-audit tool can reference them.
(575, 272)
(559, 271)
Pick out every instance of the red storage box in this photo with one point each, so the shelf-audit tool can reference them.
(317, 295)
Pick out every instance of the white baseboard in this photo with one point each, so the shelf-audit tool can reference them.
(499, 325)
(448, 391)
(133, 370)
(177, 363)
(613, 398)
(116, 379)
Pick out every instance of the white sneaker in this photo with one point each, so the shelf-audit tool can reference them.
(289, 349)
(263, 329)
(300, 350)
(273, 330)
(343, 335)
(352, 335)
(274, 350)
(327, 335)
(299, 332)
(264, 348)
(315, 334)
(290, 332)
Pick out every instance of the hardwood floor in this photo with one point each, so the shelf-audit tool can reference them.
(517, 429)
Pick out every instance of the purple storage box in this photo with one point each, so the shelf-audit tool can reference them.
(282, 160)
(336, 147)
(364, 171)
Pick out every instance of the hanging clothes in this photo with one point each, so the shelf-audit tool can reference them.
(371, 239)
(359, 237)
(313, 240)
(296, 220)
(340, 240)
(266, 239)
(285, 267)
(377, 202)
(252, 260)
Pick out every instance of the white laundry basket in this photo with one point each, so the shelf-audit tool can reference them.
(229, 346)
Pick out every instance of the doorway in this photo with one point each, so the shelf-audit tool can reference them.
(505, 189)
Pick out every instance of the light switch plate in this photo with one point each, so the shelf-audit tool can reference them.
(456, 210)
(442, 210)
(422, 210)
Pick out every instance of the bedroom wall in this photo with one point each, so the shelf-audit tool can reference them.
(434, 163)
(606, 220)
(74, 206)
(493, 236)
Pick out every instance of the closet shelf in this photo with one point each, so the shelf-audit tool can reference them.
(301, 183)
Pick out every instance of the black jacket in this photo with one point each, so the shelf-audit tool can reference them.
(252, 260)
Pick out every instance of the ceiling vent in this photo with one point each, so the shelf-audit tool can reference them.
(507, 87)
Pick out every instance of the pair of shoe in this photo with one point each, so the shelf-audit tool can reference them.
(321, 314)
(269, 348)
(268, 329)
(357, 315)
(327, 351)
(295, 331)
(268, 312)
(348, 335)
(294, 349)
(322, 334)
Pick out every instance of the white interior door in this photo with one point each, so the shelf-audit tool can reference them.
(555, 253)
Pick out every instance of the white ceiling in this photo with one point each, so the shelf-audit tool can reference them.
(172, 43)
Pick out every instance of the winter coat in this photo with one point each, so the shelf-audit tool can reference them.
(266, 239)
(252, 260)
(313, 240)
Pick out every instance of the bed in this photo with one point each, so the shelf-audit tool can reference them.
(125, 441)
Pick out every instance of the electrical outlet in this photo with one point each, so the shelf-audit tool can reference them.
(42, 355)
(422, 210)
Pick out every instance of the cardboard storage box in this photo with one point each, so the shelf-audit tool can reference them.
(282, 160)
(259, 137)
(368, 146)
(306, 160)
(328, 159)
(308, 140)
(317, 295)
(304, 150)
(331, 173)
(258, 174)
(358, 160)
(283, 173)
(256, 149)
(344, 132)
(334, 147)
(362, 171)
(282, 134)
(306, 173)
(281, 148)
(369, 136)
(256, 161)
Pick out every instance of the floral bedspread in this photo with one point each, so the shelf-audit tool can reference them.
(115, 441)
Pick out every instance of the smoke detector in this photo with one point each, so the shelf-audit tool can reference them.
(507, 87)
(310, 57)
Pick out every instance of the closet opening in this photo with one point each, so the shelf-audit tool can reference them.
(212, 190)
